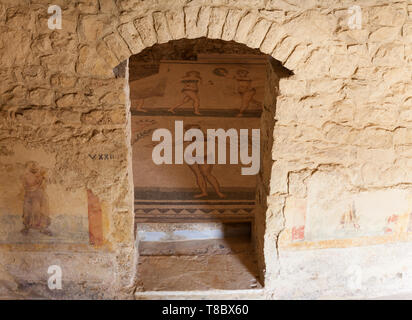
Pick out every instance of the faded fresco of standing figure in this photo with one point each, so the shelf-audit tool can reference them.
(190, 91)
(244, 87)
(203, 171)
(35, 206)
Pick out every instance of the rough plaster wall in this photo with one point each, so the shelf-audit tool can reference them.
(265, 242)
(343, 115)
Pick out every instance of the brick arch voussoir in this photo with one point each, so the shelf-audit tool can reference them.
(190, 22)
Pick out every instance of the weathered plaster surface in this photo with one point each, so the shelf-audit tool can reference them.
(341, 139)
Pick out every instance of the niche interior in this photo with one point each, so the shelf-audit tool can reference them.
(195, 222)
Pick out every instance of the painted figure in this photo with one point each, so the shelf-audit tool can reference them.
(244, 87)
(203, 172)
(190, 91)
(35, 206)
(349, 218)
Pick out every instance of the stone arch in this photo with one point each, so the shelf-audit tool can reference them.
(248, 27)
(266, 29)
(274, 71)
(256, 29)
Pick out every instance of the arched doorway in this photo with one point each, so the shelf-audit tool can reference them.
(137, 31)
(204, 217)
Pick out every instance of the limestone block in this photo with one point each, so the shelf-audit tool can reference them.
(276, 16)
(298, 54)
(258, 33)
(244, 27)
(107, 55)
(278, 183)
(17, 96)
(197, 21)
(360, 51)
(42, 44)
(384, 34)
(131, 36)
(394, 75)
(339, 133)
(161, 27)
(353, 36)
(108, 6)
(217, 20)
(69, 21)
(91, 62)
(35, 76)
(343, 112)
(41, 97)
(322, 85)
(403, 136)
(128, 5)
(117, 116)
(92, 26)
(372, 155)
(123, 223)
(70, 100)
(15, 47)
(289, 5)
(284, 49)
(88, 6)
(176, 22)
(84, 62)
(390, 15)
(62, 61)
(342, 66)
(113, 97)
(389, 55)
(232, 20)
(292, 87)
(374, 138)
(274, 35)
(318, 64)
(249, 3)
(284, 112)
(116, 44)
(408, 52)
(406, 115)
(407, 31)
(146, 30)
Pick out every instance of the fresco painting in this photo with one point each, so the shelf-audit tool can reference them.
(205, 94)
(36, 210)
(366, 217)
(295, 223)
(349, 220)
(353, 218)
(202, 87)
(35, 206)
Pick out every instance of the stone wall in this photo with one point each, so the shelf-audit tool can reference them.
(340, 176)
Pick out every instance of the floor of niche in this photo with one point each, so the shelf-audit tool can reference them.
(198, 265)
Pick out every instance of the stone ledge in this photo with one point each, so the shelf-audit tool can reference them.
(252, 294)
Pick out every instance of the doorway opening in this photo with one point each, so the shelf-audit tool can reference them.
(200, 225)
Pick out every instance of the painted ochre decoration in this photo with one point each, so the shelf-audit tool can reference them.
(210, 93)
